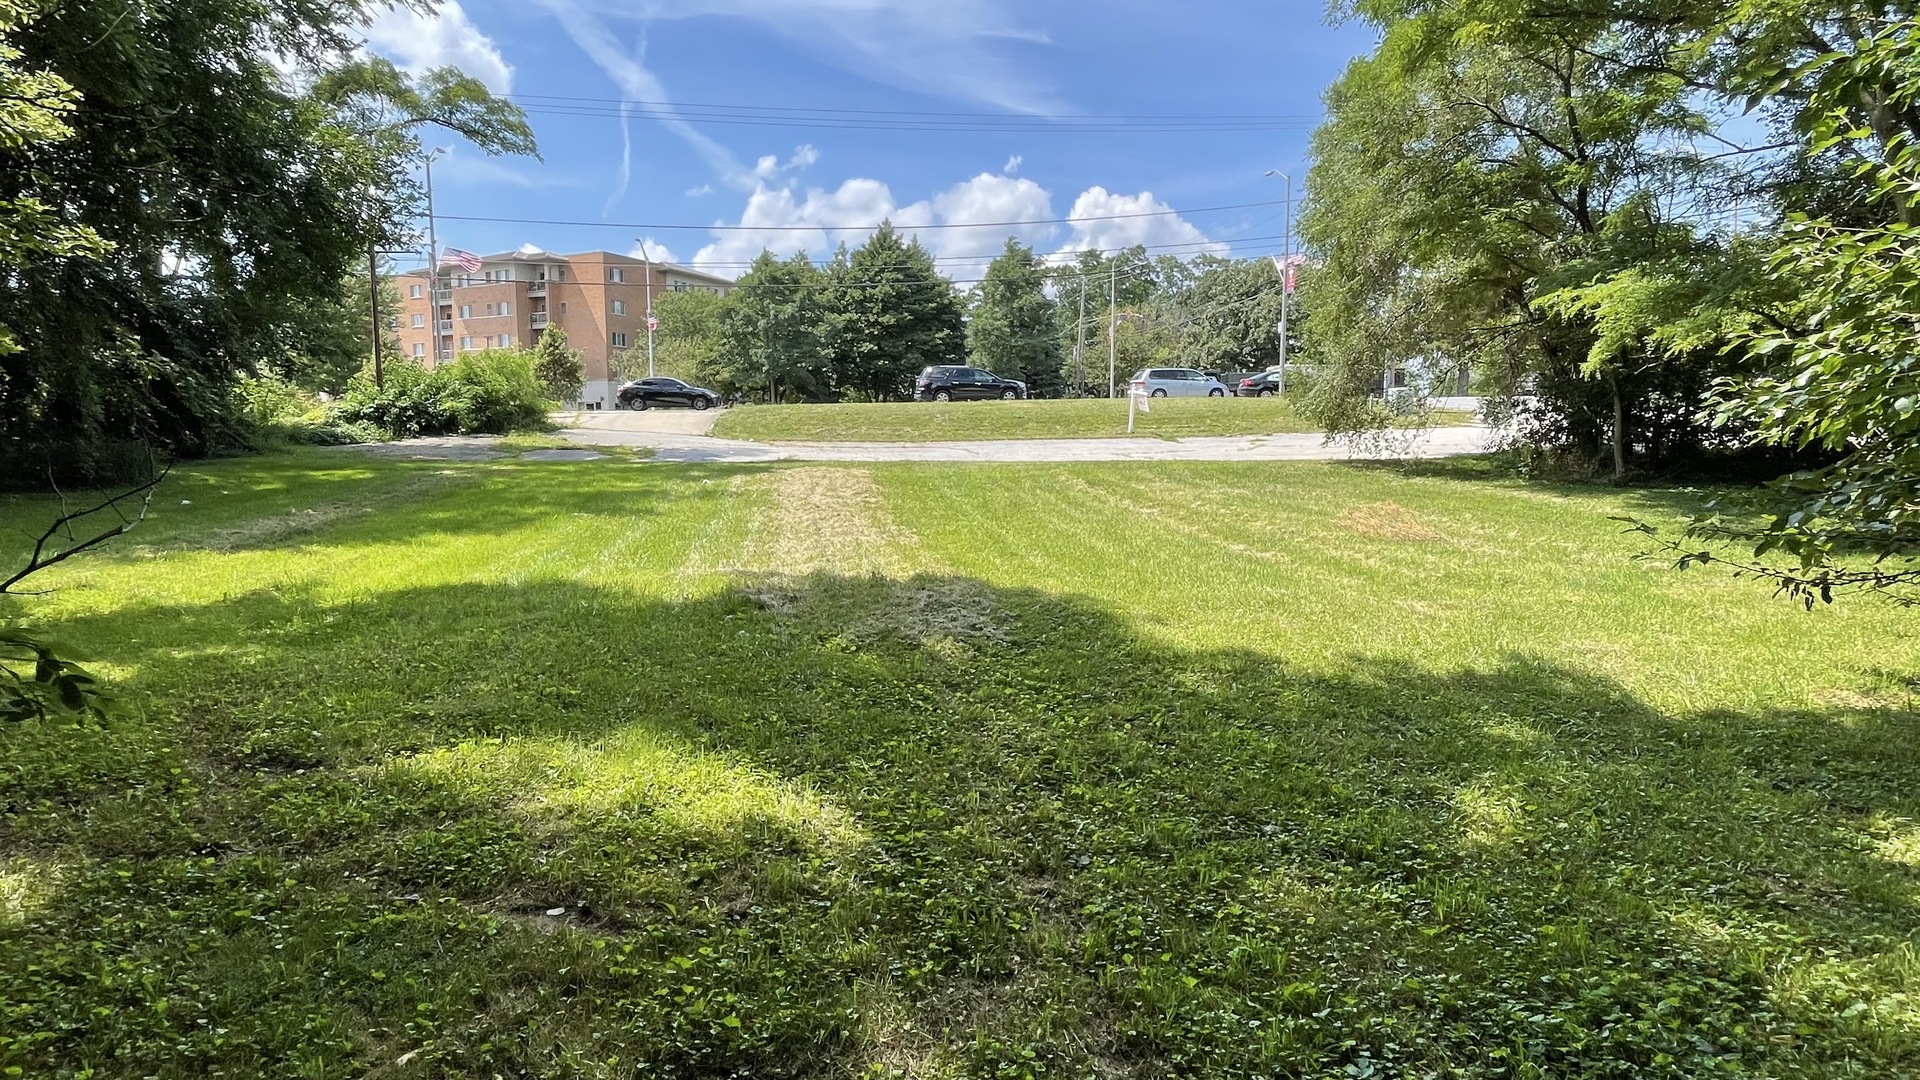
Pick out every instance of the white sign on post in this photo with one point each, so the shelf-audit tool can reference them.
(1137, 396)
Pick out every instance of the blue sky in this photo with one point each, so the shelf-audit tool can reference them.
(1029, 76)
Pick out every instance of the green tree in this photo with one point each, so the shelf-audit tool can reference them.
(557, 366)
(687, 345)
(1845, 351)
(1012, 328)
(889, 314)
(234, 200)
(1468, 172)
(34, 106)
(770, 332)
(1234, 310)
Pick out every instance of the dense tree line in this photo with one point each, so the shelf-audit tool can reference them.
(862, 326)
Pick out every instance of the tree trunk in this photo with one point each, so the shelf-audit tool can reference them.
(1619, 432)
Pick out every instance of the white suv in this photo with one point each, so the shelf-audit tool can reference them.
(1177, 382)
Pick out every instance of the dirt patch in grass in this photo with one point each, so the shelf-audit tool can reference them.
(834, 521)
(1386, 521)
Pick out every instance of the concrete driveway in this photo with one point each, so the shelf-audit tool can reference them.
(657, 431)
(648, 422)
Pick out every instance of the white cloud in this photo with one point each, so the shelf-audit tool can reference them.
(770, 167)
(1013, 165)
(784, 220)
(700, 192)
(1104, 221)
(446, 37)
(652, 249)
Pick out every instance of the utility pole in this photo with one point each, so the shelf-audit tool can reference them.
(373, 305)
(648, 259)
(1113, 324)
(433, 260)
(1080, 344)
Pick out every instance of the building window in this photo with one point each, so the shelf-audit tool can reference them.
(616, 273)
(506, 308)
(414, 292)
(506, 340)
(619, 307)
(489, 309)
(563, 307)
(619, 340)
(419, 348)
(466, 311)
(419, 320)
(466, 343)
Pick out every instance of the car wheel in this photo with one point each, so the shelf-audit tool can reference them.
(1158, 393)
(1216, 393)
(639, 404)
(1266, 393)
(942, 395)
(1008, 395)
(700, 404)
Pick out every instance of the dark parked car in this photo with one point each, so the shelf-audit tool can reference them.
(947, 382)
(1265, 384)
(665, 393)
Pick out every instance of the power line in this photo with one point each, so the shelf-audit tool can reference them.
(947, 127)
(656, 227)
(694, 106)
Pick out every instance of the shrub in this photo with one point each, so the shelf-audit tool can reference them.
(490, 392)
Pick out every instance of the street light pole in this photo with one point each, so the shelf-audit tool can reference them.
(1286, 268)
(648, 259)
(433, 260)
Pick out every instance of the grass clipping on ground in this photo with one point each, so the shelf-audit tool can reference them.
(826, 523)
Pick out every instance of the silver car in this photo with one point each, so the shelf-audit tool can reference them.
(1177, 382)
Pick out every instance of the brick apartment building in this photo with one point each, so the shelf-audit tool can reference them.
(598, 298)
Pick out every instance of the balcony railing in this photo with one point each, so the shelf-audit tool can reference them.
(536, 288)
(446, 326)
(536, 320)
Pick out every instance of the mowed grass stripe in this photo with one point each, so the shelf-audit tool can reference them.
(1104, 820)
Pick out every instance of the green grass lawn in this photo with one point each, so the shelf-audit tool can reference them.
(1136, 770)
(1062, 418)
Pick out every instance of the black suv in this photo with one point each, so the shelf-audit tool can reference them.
(945, 382)
(657, 392)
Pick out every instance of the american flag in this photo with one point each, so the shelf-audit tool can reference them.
(465, 260)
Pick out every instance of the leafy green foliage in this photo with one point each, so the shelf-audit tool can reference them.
(888, 314)
(42, 681)
(494, 391)
(1846, 374)
(687, 345)
(557, 366)
(770, 333)
(257, 193)
(1011, 329)
(1482, 178)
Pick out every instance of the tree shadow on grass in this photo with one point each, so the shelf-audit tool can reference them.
(809, 827)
